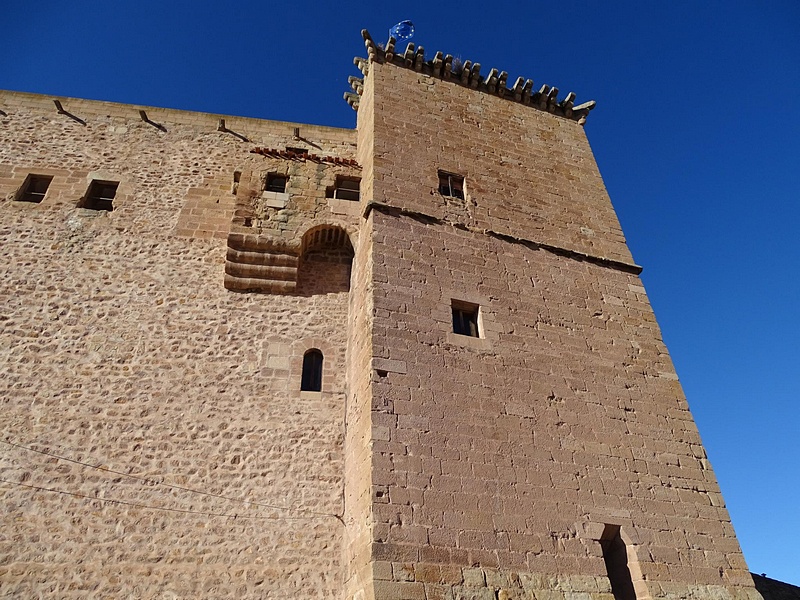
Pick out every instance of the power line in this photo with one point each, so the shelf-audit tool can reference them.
(176, 487)
(147, 506)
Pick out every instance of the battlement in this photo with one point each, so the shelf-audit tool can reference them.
(467, 74)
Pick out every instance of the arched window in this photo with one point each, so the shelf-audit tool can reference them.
(311, 380)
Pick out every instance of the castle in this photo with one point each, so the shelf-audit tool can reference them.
(412, 361)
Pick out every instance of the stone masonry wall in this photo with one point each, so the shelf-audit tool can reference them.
(504, 452)
(527, 173)
(499, 461)
(154, 441)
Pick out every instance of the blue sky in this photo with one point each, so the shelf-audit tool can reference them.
(695, 133)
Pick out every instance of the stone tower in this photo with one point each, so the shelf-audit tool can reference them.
(520, 431)
(412, 361)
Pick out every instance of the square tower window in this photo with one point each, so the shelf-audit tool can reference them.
(100, 195)
(34, 188)
(276, 183)
(345, 188)
(465, 318)
(451, 185)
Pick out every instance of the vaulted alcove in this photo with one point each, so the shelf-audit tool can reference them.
(325, 261)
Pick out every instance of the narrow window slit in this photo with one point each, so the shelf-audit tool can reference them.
(311, 380)
(615, 555)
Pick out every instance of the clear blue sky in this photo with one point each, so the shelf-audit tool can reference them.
(696, 133)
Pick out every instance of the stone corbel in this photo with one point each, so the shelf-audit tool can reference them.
(475, 76)
(501, 84)
(357, 84)
(552, 99)
(567, 103)
(362, 64)
(437, 64)
(389, 52)
(408, 56)
(369, 43)
(448, 66)
(491, 81)
(419, 58)
(465, 69)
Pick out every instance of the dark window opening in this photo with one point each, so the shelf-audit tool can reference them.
(465, 319)
(451, 185)
(34, 188)
(345, 188)
(615, 555)
(311, 380)
(276, 183)
(300, 151)
(101, 195)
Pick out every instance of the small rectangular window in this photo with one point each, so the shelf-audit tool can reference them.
(276, 183)
(346, 188)
(101, 195)
(451, 185)
(465, 318)
(34, 188)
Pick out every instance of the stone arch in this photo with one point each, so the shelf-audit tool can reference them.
(331, 224)
(326, 259)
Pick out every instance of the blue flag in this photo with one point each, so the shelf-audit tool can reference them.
(404, 30)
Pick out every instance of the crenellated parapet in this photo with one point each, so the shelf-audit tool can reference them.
(467, 74)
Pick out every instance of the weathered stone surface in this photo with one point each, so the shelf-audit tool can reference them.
(516, 450)
(156, 442)
(161, 443)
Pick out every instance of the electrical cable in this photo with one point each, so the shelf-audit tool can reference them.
(138, 505)
(150, 481)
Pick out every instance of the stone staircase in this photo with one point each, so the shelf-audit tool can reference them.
(256, 263)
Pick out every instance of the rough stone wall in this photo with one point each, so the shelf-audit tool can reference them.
(498, 461)
(155, 443)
